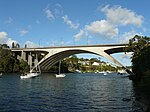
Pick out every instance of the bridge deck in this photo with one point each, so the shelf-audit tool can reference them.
(54, 47)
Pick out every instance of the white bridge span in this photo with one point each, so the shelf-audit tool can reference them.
(54, 54)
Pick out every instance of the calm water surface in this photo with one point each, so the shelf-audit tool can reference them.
(75, 93)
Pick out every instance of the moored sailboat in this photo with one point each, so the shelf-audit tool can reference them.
(31, 74)
(59, 74)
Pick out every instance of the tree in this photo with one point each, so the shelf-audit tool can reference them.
(6, 60)
(139, 45)
(25, 46)
(23, 66)
(4, 46)
(17, 45)
(13, 45)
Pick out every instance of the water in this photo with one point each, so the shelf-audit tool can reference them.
(75, 93)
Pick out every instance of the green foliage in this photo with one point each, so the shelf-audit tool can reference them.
(85, 65)
(25, 46)
(141, 63)
(8, 63)
(23, 66)
(15, 45)
(139, 45)
(3, 46)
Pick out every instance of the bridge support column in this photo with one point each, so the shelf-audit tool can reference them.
(18, 57)
(23, 55)
(30, 59)
(36, 59)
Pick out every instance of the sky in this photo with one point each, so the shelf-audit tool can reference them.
(73, 22)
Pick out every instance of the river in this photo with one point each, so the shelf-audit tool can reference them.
(86, 92)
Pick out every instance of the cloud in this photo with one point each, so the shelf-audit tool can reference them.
(31, 44)
(79, 35)
(70, 23)
(4, 39)
(9, 20)
(23, 32)
(127, 35)
(49, 14)
(58, 5)
(108, 27)
(102, 28)
(58, 11)
(122, 16)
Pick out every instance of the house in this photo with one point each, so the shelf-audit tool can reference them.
(95, 64)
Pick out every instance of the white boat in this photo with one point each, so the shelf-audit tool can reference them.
(105, 73)
(78, 71)
(108, 71)
(101, 72)
(121, 71)
(59, 75)
(31, 74)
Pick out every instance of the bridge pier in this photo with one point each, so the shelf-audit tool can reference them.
(18, 57)
(36, 60)
(23, 55)
(30, 59)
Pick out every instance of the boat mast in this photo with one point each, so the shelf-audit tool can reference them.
(59, 66)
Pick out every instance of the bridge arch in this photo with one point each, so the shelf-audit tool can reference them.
(52, 59)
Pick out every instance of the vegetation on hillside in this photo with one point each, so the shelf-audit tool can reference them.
(139, 45)
(8, 63)
(75, 64)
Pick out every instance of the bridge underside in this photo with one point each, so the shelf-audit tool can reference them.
(51, 60)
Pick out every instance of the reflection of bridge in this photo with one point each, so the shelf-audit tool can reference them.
(53, 54)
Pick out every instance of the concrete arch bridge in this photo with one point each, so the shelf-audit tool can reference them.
(51, 55)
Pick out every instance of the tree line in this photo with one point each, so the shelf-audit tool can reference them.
(73, 64)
